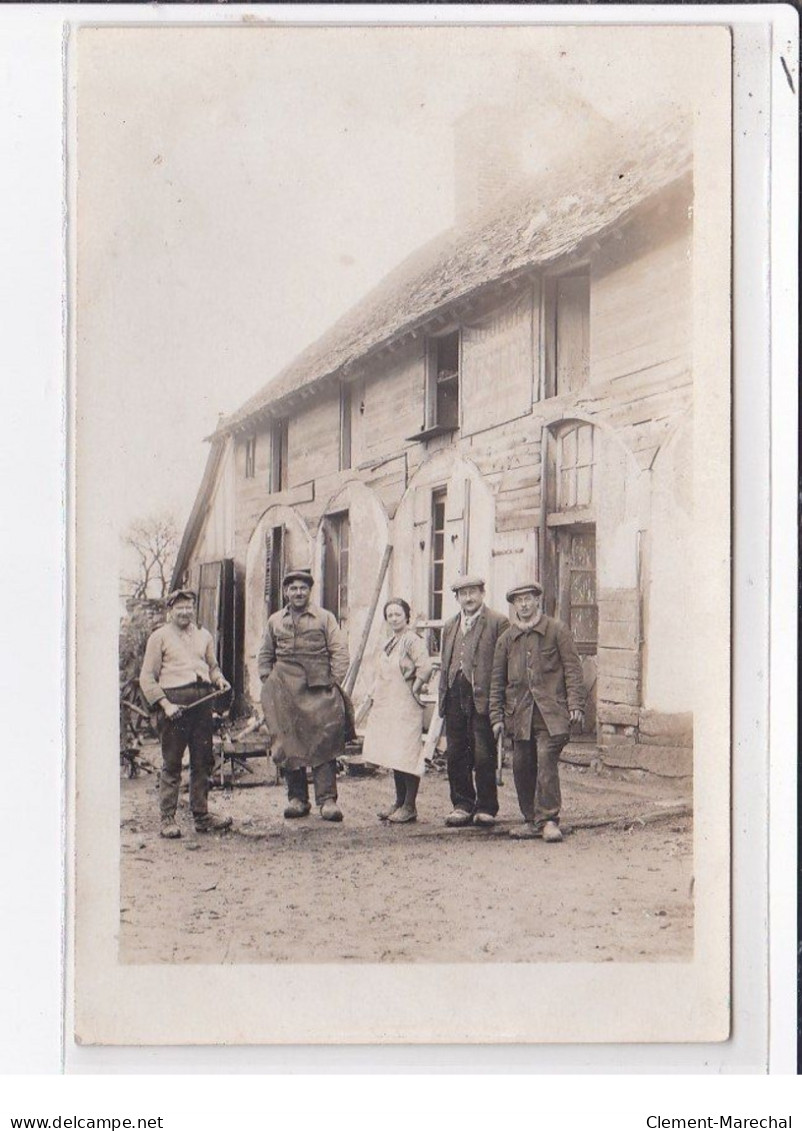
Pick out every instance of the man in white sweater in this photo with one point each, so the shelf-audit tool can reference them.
(179, 669)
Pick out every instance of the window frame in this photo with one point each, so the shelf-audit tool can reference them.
(250, 457)
(562, 505)
(434, 385)
(439, 498)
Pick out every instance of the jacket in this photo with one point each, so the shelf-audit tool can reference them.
(317, 644)
(536, 665)
(489, 627)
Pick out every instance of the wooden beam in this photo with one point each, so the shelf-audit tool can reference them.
(353, 671)
(544, 491)
(432, 735)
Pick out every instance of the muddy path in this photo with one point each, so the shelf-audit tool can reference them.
(307, 891)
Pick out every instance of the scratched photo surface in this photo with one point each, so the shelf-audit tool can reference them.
(404, 309)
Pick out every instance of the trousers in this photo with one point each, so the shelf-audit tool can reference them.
(535, 770)
(470, 753)
(324, 778)
(193, 729)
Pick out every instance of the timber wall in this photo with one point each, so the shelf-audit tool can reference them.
(639, 393)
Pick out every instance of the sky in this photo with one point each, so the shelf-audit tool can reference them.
(241, 188)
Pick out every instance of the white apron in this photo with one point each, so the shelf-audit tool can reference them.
(393, 736)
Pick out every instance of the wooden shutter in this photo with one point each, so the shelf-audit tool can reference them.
(345, 427)
(226, 620)
(216, 610)
(455, 500)
(268, 564)
(573, 333)
(335, 565)
(209, 598)
(422, 506)
(498, 360)
(274, 567)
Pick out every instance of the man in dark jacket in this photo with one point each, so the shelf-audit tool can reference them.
(536, 692)
(469, 641)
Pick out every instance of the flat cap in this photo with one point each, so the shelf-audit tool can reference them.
(177, 594)
(468, 579)
(526, 587)
(303, 575)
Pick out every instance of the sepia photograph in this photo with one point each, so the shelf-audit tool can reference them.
(401, 416)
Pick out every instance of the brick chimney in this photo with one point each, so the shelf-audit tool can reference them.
(486, 159)
(546, 129)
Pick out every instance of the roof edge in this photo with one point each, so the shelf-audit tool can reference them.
(240, 421)
(199, 508)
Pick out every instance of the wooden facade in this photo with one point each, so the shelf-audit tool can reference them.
(570, 460)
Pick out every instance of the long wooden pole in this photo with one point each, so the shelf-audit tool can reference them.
(353, 671)
(466, 528)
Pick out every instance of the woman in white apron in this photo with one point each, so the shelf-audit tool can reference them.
(393, 737)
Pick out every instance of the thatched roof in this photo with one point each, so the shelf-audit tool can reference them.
(531, 228)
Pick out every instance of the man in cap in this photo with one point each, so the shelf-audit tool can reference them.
(536, 693)
(179, 669)
(469, 640)
(302, 661)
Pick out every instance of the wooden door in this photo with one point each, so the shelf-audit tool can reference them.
(216, 611)
(209, 597)
(577, 607)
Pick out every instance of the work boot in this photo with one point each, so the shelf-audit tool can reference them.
(551, 832)
(211, 823)
(169, 829)
(484, 820)
(330, 811)
(526, 831)
(386, 814)
(458, 819)
(296, 808)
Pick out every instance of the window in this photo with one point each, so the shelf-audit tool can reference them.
(250, 457)
(574, 467)
(278, 460)
(438, 561)
(578, 584)
(345, 427)
(442, 382)
(336, 553)
(567, 332)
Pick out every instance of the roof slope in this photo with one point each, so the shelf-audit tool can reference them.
(534, 226)
(199, 511)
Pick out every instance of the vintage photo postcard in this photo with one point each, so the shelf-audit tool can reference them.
(401, 508)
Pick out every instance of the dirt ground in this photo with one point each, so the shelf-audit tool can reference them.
(309, 891)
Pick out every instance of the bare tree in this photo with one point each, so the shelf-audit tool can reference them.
(153, 543)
